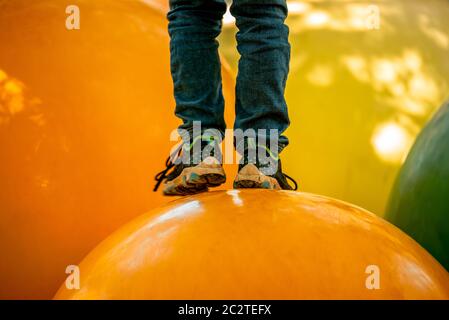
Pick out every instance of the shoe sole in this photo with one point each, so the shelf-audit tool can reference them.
(250, 177)
(195, 180)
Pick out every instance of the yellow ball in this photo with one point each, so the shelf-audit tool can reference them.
(364, 79)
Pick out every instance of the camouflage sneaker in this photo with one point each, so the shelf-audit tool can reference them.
(254, 174)
(189, 177)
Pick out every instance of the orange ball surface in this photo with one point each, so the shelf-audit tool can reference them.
(256, 244)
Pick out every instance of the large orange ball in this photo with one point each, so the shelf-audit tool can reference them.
(85, 117)
(256, 244)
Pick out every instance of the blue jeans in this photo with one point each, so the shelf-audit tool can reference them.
(262, 41)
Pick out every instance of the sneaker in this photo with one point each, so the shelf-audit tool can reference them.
(251, 175)
(180, 179)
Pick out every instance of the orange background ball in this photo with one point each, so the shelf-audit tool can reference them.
(85, 118)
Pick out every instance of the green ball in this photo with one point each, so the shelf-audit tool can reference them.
(419, 202)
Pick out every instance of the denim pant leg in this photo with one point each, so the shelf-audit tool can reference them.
(195, 64)
(262, 41)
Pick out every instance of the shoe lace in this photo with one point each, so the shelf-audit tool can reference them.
(169, 165)
(292, 180)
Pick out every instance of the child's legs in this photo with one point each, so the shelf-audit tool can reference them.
(264, 64)
(195, 64)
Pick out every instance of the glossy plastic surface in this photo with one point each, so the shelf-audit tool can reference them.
(259, 244)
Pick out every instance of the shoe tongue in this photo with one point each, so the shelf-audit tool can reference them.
(202, 147)
(268, 165)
